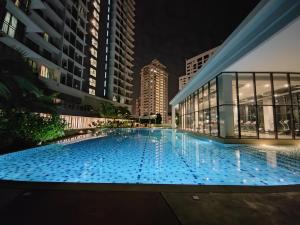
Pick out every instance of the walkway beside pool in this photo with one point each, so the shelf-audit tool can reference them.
(138, 205)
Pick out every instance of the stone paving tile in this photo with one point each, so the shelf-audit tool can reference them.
(41, 207)
(236, 208)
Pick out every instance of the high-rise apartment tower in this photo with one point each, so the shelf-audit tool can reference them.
(154, 90)
(82, 49)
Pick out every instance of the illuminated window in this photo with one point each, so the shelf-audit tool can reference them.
(96, 5)
(94, 32)
(17, 3)
(44, 72)
(93, 62)
(93, 72)
(94, 42)
(33, 65)
(94, 52)
(95, 23)
(91, 91)
(96, 15)
(46, 37)
(9, 25)
(92, 82)
(81, 10)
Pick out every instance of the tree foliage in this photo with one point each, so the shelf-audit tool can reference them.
(31, 128)
(108, 110)
(22, 96)
(158, 119)
(20, 89)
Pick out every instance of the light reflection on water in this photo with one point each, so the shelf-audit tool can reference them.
(156, 156)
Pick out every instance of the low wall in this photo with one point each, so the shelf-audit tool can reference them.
(83, 122)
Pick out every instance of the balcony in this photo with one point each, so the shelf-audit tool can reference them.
(44, 57)
(23, 17)
(48, 25)
(54, 12)
(37, 4)
(15, 44)
(50, 46)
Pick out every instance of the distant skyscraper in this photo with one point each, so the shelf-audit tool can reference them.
(81, 49)
(154, 90)
(194, 64)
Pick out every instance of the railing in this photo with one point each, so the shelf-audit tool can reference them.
(8, 29)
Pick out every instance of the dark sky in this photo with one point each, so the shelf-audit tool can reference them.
(173, 30)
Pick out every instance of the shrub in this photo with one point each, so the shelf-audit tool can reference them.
(31, 128)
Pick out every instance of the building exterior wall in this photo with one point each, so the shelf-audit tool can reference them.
(183, 80)
(154, 90)
(121, 50)
(66, 43)
(193, 65)
(137, 110)
(249, 89)
(250, 105)
(197, 62)
(281, 52)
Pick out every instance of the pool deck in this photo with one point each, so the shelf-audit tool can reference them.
(66, 204)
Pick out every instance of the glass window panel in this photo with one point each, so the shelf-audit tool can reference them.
(189, 104)
(283, 122)
(205, 97)
(228, 121)
(196, 101)
(227, 84)
(200, 100)
(214, 121)
(295, 88)
(196, 121)
(281, 89)
(206, 121)
(193, 121)
(266, 121)
(247, 105)
(263, 89)
(248, 120)
(180, 122)
(296, 121)
(200, 122)
(213, 93)
(245, 88)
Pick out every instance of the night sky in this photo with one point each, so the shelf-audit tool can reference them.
(174, 30)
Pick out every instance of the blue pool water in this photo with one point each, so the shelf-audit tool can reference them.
(154, 156)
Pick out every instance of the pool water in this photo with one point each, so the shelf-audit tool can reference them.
(154, 156)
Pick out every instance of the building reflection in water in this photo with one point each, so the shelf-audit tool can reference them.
(271, 158)
(238, 159)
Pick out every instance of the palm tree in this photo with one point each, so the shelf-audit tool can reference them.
(123, 112)
(107, 110)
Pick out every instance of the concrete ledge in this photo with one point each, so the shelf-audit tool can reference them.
(244, 140)
(148, 187)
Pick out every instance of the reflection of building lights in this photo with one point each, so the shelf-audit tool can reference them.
(267, 85)
(286, 85)
(248, 85)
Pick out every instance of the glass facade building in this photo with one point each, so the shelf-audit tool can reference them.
(250, 105)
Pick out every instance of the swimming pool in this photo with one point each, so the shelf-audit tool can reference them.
(154, 156)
